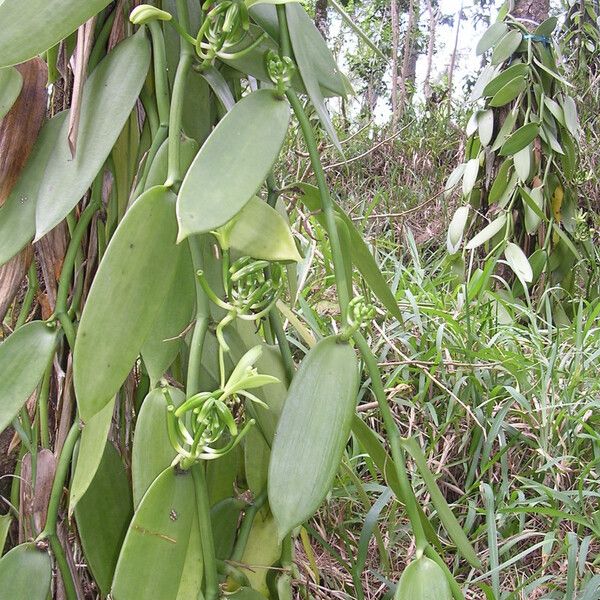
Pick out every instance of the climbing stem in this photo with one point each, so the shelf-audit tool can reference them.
(211, 591)
(161, 82)
(49, 532)
(242, 540)
(32, 288)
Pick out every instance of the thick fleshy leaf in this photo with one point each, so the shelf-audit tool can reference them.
(232, 163)
(25, 572)
(127, 293)
(152, 563)
(470, 176)
(103, 515)
(500, 182)
(172, 320)
(456, 229)
(423, 579)
(504, 77)
(225, 516)
(488, 232)
(11, 83)
(491, 37)
(90, 451)
(522, 162)
(247, 593)
(17, 214)
(24, 356)
(509, 92)
(533, 203)
(518, 262)
(263, 549)
(152, 451)
(571, 119)
(157, 175)
(261, 232)
(519, 139)
(506, 128)
(505, 48)
(485, 126)
(29, 28)
(362, 257)
(301, 31)
(109, 96)
(312, 432)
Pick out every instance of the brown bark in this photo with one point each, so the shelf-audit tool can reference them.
(531, 10)
(430, 49)
(395, 42)
(408, 57)
(321, 22)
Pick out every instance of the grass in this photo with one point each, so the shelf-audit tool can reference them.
(501, 393)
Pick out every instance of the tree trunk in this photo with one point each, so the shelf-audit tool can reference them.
(532, 11)
(407, 51)
(430, 49)
(321, 22)
(395, 42)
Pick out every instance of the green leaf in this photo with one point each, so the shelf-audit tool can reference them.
(24, 356)
(90, 451)
(312, 432)
(456, 229)
(515, 71)
(361, 255)
(570, 112)
(533, 201)
(522, 161)
(232, 163)
(452, 526)
(470, 176)
(519, 139)
(109, 96)
(5, 523)
(152, 451)
(11, 83)
(485, 126)
(509, 92)
(261, 232)
(17, 214)
(506, 128)
(157, 175)
(546, 27)
(103, 515)
(501, 182)
(487, 74)
(225, 516)
(126, 295)
(174, 316)
(423, 579)
(517, 261)
(152, 563)
(556, 110)
(246, 593)
(506, 47)
(488, 232)
(493, 34)
(25, 572)
(250, 3)
(301, 31)
(30, 28)
(454, 178)
(256, 460)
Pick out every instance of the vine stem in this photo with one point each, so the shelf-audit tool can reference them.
(211, 591)
(49, 531)
(343, 290)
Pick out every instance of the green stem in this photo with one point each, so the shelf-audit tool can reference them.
(49, 531)
(161, 82)
(211, 591)
(43, 408)
(99, 48)
(32, 287)
(201, 325)
(242, 540)
(326, 202)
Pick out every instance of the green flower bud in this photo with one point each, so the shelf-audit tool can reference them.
(423, 579)
(144, 13)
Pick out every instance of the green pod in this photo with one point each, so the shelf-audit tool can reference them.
(11, 83)
(89, 454)
(132, 280)
(24, 356)
(152, 451)
(312, 432)
(423, 579)
(25, 572)
(30, 28)
(109, 96)
(103, 515)
(161, 552)
(232, 163)
(17, 214)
